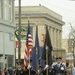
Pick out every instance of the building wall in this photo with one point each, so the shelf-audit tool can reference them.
(7, 28)
(0, 8)
(41, 16)
(67, 44)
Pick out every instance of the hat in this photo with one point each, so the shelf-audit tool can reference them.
(58, 58)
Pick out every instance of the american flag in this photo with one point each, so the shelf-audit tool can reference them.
(28, 47)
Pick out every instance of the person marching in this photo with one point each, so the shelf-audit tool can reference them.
(59, 68)
(19, 70)
(32, 71)
(40, 71)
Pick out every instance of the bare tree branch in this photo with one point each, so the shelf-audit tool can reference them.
(71, 26)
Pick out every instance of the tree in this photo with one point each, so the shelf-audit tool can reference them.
(72, 37)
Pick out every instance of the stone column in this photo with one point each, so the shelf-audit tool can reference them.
(55, 37)
(58, 39)
(60, 34)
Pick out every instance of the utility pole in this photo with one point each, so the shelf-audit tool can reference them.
(19, 34)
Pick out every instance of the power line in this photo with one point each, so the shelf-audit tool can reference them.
(57, 6)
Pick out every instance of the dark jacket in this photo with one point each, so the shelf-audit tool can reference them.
(32, 72)
(57, 69)
(20, 72)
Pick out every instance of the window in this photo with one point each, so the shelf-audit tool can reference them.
(8, 9)
(0, 8)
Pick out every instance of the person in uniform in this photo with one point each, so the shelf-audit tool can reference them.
(59, 68)
(19, 70)
(0, 70)
(40, 71)
(46, 70)
(30, 68)
(52, 67)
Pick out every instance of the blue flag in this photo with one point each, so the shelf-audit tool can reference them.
(36, 52)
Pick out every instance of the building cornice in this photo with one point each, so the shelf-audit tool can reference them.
(41, 14)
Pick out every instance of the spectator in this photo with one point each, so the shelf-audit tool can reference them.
(0, 70)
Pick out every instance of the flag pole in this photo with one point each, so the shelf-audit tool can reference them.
(29, 62)
(47, 59)
(29, 52)
(37, 50)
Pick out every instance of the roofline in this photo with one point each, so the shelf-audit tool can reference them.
(42, 13)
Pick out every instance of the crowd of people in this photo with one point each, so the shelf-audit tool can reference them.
(57, 68)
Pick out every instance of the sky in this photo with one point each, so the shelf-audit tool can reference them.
(66, 8)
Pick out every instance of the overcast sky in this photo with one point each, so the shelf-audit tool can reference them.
(66, 8)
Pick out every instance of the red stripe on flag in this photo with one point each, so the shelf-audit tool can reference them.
(26, 57)
(29, 46)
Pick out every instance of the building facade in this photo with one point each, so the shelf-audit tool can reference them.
(41, 16)
(7, 28)
(67, 44)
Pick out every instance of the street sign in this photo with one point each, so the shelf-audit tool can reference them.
(69, 56)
